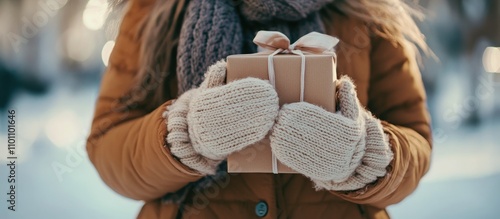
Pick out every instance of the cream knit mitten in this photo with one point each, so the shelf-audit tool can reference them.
(339, 151)
(208, 123)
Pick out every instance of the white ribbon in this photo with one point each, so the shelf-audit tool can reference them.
(277, 42)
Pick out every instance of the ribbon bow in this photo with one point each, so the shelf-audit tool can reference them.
(313, 42)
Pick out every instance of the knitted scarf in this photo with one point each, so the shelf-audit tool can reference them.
(214, 29)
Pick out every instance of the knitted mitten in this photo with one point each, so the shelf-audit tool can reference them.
(207, 124)
(339, 151)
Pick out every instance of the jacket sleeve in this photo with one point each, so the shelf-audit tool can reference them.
(127, 147)
(396, 96)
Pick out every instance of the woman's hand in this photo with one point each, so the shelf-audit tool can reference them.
(339, 151)
(208, 123)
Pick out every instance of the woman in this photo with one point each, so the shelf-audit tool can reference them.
(157, 137)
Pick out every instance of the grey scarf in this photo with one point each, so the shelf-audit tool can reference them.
(214, 29)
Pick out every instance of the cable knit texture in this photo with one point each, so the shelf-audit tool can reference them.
(265, 11)
(212, 30)
(208, 123)
(178, 137)
(339, 151)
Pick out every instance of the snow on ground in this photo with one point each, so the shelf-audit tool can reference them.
(464, 178)
(462, 183)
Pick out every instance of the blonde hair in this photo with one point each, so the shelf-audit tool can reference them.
(390, 19)
(160, 37)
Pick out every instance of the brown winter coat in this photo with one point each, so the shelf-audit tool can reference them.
(128, 148)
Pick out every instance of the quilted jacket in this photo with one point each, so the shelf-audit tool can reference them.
(128, 147)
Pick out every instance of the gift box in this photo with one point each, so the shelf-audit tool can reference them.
(296, 76)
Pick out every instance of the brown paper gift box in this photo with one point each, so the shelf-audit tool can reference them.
(319, 89)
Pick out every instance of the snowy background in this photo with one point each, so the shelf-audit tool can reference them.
(51, 76)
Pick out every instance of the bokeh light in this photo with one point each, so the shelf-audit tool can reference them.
(95, 14)
(491, 59)
(106, 51)
(63, 128)
(79, 44)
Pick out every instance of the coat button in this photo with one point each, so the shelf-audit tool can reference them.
(261, 209)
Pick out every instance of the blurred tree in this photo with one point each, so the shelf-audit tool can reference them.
(478, 22)
(12, 82)
(8, 84)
